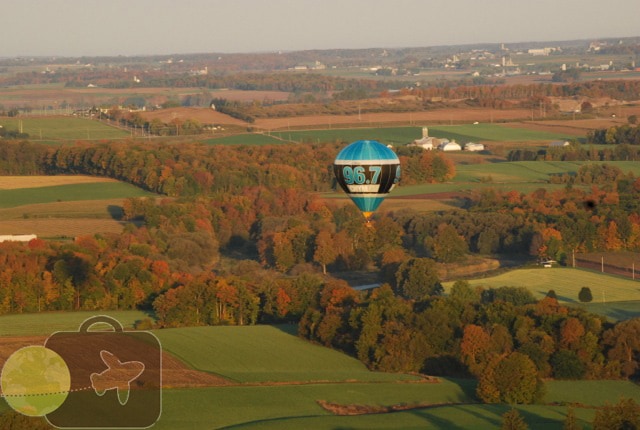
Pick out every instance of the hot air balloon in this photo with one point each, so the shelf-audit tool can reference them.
(367, 171)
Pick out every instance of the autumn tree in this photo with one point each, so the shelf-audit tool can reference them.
(475, 347)
(447, 245)
(511, 379)
(570, 421)
(512, 420)
(622, 346)
(325, 251)
(623, 415)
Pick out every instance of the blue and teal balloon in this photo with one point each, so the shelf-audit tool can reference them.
(367, 171)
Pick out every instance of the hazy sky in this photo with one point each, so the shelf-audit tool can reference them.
(146, 27)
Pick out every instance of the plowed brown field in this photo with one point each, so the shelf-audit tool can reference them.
(453, 115)
(202, 115)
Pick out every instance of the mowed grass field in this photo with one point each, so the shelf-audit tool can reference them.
(398, 136)
(613, 296)
(277, 387)
(69, 192)
(55, 206)
(265, 354)
(63, 128)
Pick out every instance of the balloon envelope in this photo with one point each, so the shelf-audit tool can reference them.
(367, 171)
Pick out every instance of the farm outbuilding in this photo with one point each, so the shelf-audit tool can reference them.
(559, 144)
(424, 143)
(450, 146)
(472, 146)
(17, 237)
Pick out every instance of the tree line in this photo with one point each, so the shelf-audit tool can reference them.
(504, 337)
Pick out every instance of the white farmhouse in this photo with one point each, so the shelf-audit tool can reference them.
(426, 142)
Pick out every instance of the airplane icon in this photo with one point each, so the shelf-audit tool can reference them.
(117, 376)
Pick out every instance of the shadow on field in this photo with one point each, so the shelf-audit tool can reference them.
(115, 212)
(291, 329)
(560, 298)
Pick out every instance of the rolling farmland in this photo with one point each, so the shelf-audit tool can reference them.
(64, 128)
(280, 381)
(62, 206)
(398, 136)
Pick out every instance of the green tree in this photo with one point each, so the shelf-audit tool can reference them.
(417, 279)
(567, 365)
(448, 246)
(512, 379)
(585, 295)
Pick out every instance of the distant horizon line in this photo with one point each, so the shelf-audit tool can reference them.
(290, 51)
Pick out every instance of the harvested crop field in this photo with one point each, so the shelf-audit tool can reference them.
(61, 227)
(452, 115)
(17, 182)
(66, 217)
(202, 115)
(578, 128)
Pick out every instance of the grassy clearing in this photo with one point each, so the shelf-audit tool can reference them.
(70, 192)
(263, 353)
(64, 128)
(613, 296)
(566, 282)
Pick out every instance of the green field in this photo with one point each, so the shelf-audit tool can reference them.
(492, 132)
(613, 296)
(522, 176)
(395, 135)
(264, 353)
(64, 128)
(70, 192)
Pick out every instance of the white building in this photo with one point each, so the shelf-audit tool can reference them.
(472, 146)
(17, 237)
(426, 142)
(448, 146)
(559, 144)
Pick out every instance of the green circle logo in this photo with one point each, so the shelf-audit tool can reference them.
(35, 381)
